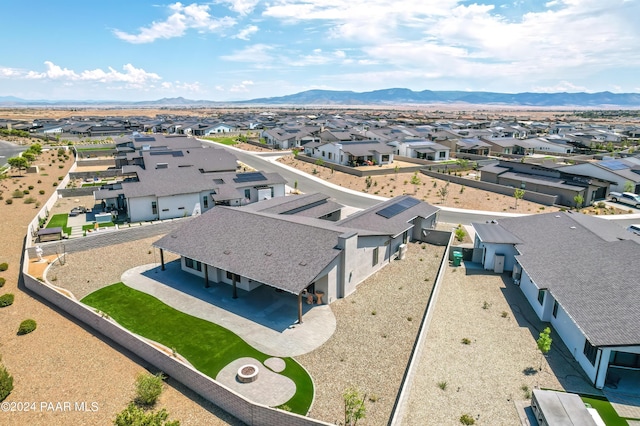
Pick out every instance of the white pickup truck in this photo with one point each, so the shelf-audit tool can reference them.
(626, 198)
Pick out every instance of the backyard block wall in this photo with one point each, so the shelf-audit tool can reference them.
(226, 399)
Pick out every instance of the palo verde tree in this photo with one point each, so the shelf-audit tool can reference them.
(443, 192)
(629, 186)
(518, 194)
(544, 343)
(18, 163)
(578, 200)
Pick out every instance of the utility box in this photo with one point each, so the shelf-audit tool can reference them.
(402, 251)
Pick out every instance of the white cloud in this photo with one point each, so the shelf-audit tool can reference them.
(243, 7)
(183, 18)
(246, 32)
(133, 77)
(257, 53)
(563, 86)
(242, 87)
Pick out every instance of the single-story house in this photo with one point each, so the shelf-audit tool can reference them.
(422, 149)
(296, 253)
(351, 153)
(619, 171)
(575, 272)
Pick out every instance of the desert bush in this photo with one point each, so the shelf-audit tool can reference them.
(133, 415)
(2, 281)
(41, 192)
(465, 341)
(467, 419)
(148, 388)
(27, 326)
(8, 201)
(4, 266)
(17, 194)
(6, 300)
(30, 187)
(30, 200)
(6, 383)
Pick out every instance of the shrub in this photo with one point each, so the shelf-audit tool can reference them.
(466, 419)
(133, 415)
(60, 177)
(6, 300)
(6, 383)
(41, 192)
(8, 201)
(26, 192)
(55, 183)
(465, 341)
(2, 281)
(30, 200)
(148, 388)
(4, 266)
(27, 326)
(17, 194)
(30, 187)
(442, 385)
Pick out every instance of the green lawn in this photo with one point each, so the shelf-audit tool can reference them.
(60, 221)
(207, 346)
(100, 225)
(223, 140)
(605, 409)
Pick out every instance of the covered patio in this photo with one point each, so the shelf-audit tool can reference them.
(262, 317)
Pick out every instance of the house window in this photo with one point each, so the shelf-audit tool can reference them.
(323, 153)
(375, 256)
(273, 192)
(341, 158)
(442, 154)
(247, 193)
(590, 351)
(192, 264)
(154, 207)
(555, 309)
(230, 276)
(205, 202)
(541, 296)
(329, 156)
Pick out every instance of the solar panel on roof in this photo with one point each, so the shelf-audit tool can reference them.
(397, 208)
(144, 139)
(613, 165)
(249, 177)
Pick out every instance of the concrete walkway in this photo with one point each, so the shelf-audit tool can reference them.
(264, 318)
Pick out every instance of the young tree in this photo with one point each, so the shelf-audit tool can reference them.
(415, 181)
(443, 192)
(148, 388)
(578, 199)
(18, 163)
(544, 343)
(518, 194)
(6, 383)
(354, 408)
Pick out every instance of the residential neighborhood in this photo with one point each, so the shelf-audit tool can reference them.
(284, 268)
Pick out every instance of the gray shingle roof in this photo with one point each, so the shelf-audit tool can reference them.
(587, 265)
(280, 253)
(494, 233)
(310, 205)
(371, 221)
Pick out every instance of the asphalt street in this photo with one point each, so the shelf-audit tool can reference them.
(266, 162)
(8, 150)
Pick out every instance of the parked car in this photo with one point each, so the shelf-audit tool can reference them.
(626, 198)
(634, 228)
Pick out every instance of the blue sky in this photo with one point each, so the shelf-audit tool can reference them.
(244, 49)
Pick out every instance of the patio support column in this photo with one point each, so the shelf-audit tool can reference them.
(235, 289)
(299, 308)
(206, 276)
(162, 260)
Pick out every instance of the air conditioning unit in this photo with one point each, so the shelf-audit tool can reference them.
(402, 251)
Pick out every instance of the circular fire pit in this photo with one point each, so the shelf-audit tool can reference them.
(248, 373)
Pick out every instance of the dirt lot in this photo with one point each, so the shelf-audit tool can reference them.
(63, 361)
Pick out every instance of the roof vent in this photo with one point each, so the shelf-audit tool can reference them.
(227, 252)
(302, 263)
(557, 215)
(572, 227)
(268, 253)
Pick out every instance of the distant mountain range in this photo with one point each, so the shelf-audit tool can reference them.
(386, 97)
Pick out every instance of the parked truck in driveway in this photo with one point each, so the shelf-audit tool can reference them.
(626, 198)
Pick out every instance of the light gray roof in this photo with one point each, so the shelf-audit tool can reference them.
(310, 205)
(561, 408)
(492, 232)
(586, 263)
(542, 180)
(378, 225)
(270, 249)
(362, 148)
